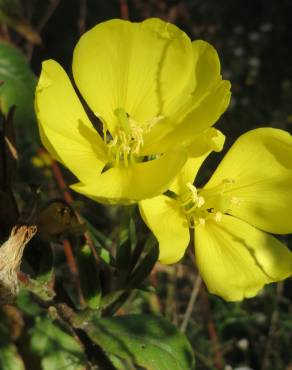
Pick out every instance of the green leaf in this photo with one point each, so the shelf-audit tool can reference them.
(113, 301)
(145, 267)
(100, 242)
(141, 340)
(89, 277)
(9, 358)
(26, 303)
(123, 257)
(40, 278)
(56, 348)
(128, 252)
(18, 87)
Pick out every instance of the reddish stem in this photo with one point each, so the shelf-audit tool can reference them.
(124, 9)
(212, 330)
(66, 244)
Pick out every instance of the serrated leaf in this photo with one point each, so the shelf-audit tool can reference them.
(142, 340)
(56, 348)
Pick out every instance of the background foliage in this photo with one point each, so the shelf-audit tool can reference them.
(253, 40)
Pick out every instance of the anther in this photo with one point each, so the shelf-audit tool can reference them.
(235, 200)
(218, 216)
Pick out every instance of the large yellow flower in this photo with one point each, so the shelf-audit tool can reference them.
(153, 91)
(249, 194)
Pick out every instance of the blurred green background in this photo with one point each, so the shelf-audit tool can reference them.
(254, 42)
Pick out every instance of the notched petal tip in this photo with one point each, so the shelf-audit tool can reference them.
(163, 29)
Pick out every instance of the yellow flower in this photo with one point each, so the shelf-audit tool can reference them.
(153, 91)
(249, 194)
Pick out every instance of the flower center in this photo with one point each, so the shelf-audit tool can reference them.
(125, 146)
(199, 205)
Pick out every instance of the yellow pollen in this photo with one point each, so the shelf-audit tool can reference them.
(202, 221)
(125, 146)
(201, 202)
(192, 204)
(201, 205)
(235, 200)
(218, 216)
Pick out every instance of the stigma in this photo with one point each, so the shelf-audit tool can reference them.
(125, 145)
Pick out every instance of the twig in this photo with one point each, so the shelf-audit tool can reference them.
(49, 12)
(41, 24)
(191, 303)
(124, 9)
(170, 309)
(60, 181)
(204, 360)
(82, 17)
(212, 331)
(4, 33)
(57, 173)
(272, 329)
(154, 298)
(73, 269)
(69, 199)
(66, 244)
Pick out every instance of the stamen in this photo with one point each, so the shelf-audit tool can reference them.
(124, 147)
(235, 200)
(200, 202)
(218, 216)
(201, 205)
(202, 221)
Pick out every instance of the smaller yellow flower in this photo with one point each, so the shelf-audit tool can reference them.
(249, 194)
(153, 90)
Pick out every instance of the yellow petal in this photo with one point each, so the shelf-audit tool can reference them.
(139, 67)
(207, 77)
(211, 139)
(64, 127)
(207, 97)
(139, 181)
(168, 223)
(202, 117)
(260, 164)
(236, 260)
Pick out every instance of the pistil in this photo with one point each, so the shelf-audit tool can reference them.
(125, 146)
